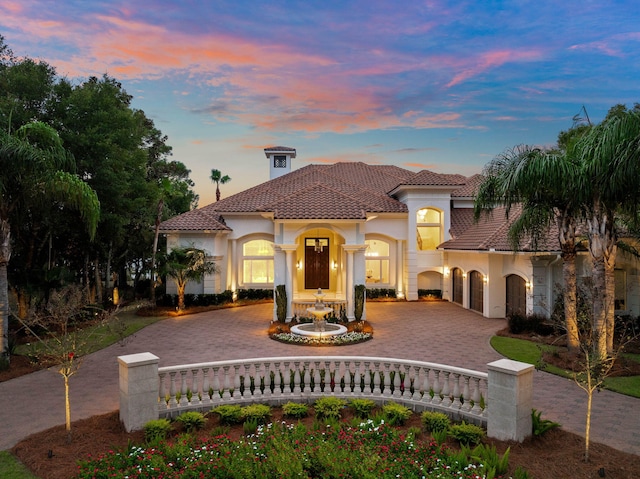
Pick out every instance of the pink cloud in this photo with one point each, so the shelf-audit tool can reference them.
(422, 166)
(490, 60)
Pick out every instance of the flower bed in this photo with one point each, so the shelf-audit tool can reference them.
(344, 339)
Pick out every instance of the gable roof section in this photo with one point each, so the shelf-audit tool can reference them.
(490, 233)
(195, 220)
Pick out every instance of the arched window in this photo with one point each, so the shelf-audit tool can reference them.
(429, 229)
(257, 262)
(377, 261)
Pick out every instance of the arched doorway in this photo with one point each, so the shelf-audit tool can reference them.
(476, 291)
(516, 295)
(457, 280)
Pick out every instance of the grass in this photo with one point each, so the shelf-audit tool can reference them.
(118, 328)
(531, 353)
(11, 468)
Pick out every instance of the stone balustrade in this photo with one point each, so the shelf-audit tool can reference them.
(148, 392)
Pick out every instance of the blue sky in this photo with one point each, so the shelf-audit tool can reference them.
(442, 85)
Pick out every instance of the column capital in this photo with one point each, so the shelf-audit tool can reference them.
(286, 247)
(352, 248)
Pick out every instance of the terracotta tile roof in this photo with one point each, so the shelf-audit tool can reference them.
(491, 233)
(429, 178)
(470, 187)
(195, 220)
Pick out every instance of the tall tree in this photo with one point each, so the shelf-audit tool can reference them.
(36, 170)
(609, 185)
(219, 179)
(536, 180)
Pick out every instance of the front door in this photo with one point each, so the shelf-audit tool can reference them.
(316, 263)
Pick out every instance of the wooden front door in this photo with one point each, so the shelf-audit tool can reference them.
(316, 263)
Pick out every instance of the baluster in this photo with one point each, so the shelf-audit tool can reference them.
(367, 378)
(347, 377)
(337, 377)
(237, 382)
(172, 390)
(206, 399)
(386, 387)
(446, 399)
(286, 379)
(376, 379)
(456, 391)
(277, 391)
(196, 387)
(246, 382)
(436, 387)
(426, 386)
(226, 393)
(317, 379)
(466, 405)
(306, 380)
(416, 396)
(483, 387)
(261, 378)
(257, 380)
(296, 379)
(162, 394)
(406, 382)
(357, 382)
(216, 396)
(183, 388)
(327, 386)
(397, 381)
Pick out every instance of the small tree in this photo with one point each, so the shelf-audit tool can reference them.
(184, 264)
(281, 303)
(62, 336)
(219, 179)
(358, 306)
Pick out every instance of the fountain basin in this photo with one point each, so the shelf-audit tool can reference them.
(312, 330)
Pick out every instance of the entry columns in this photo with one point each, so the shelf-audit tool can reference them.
(355, 273)
(288, 249)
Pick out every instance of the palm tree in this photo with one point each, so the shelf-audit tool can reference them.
(609, 185)
(536, 180)
(35, 170)
(218, 179)
(184, 264)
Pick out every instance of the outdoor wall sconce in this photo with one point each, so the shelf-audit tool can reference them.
(528, 285)
(446, 271)
(299, 265)
(485, 279)
(464, 275)
(334, 265)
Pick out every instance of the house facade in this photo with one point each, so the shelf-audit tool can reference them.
(338, 225)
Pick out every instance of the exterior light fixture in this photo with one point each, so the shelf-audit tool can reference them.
(318, 246)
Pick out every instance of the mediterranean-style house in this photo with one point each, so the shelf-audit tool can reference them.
(338, 225)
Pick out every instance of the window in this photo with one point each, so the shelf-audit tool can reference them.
(429, 228)
(257, 262)
(377, 261)
(279, 161)
(620, 277)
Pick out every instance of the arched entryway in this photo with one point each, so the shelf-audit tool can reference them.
(476, 291)
(516, 295)
(457, 285)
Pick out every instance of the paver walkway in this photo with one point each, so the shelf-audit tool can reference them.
(425, 331)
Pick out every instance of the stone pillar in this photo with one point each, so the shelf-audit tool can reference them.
(510, 400)
(399, 270)
(138, 378)
(289, 249)
(349, 289)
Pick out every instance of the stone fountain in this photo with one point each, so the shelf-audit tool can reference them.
(319, 328)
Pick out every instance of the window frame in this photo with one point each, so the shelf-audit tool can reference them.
(381, 263)
(251, 259)
(438, 225)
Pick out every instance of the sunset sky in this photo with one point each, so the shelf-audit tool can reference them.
(442, 85)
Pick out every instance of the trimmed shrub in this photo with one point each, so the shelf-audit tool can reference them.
(156, 430)
(396, 414)
(229, 414)
(329, 407)
(362, 407)
(255, 294)
(375, 293)
(295, 410)
(435, 421)
(434, 293)
(192, 420)
(260, 413)
(467, 434)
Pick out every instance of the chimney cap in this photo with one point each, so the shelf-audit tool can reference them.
(273, 150)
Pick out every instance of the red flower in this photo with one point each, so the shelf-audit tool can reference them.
(71, 355)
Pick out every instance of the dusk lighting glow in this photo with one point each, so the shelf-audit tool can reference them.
(442, 85)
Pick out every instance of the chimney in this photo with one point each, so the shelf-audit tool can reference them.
(279, 160)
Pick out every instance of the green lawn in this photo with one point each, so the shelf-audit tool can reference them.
(11, 468)
(530, 352)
